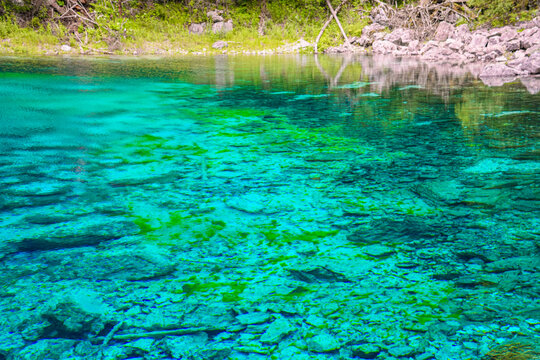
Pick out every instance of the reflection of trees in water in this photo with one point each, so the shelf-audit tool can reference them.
(499, 118)
(381, 92)
(496, 117)
(377, 94)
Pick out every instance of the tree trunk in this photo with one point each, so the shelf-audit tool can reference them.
(262, 17)
(328, 23)
(339, 24)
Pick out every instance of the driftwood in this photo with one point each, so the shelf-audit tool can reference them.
(327, 23)
(158, 334)
(422, 18)
(111, 333)
(338, 22)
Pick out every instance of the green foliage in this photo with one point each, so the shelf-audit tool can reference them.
(162, 27)
(7, 27)
(501, 12)
(20, 40)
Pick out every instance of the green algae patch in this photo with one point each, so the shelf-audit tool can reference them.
(228, 290)
(145, 225)
(180, 228)
(277, 238)
(224, 114)
(314, 236)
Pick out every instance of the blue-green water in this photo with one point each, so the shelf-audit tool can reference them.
(266, 208)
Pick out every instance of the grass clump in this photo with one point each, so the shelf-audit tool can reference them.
(26, 40)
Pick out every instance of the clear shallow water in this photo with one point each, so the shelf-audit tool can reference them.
(246, 208)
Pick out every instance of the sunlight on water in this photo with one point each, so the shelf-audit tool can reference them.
(255, 208)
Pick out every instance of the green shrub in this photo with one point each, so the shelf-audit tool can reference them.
(502, 12)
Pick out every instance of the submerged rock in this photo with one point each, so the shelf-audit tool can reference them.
(379, 251)
(47, 349)
(277, 331)
(253, 318)
(402, 351)
(391, 231)
(186, 346)
(317, 275)
(365, 351)
(323, 343)
(77, 234)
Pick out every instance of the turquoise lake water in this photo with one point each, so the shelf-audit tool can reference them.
(266, 208)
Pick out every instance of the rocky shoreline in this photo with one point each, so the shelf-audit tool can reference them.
(507, 52)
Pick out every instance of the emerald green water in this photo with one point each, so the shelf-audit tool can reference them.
(266, 208)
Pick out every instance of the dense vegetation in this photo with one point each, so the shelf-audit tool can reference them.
(152, 26)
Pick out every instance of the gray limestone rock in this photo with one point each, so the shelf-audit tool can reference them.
(400, 36)
(216, 316)
(220, 44)
(222, 27)
(76, 234)
(197, 29)
(454, 45)
(444, 31)
(529, 38)
(215, 15)
(531, 65)
(414, 46)
(383, 47)
(379, 15)
(372, 29)
(512, 45)
(364, 41)
(508, 33)
(477, 44)
(78, 315)
(498, 70)
(494, 40)
(144, 345)
(462, 33)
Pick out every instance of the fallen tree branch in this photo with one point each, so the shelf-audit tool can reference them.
(326, 25)
(153, 334)
(111, 333)
(334, 14)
